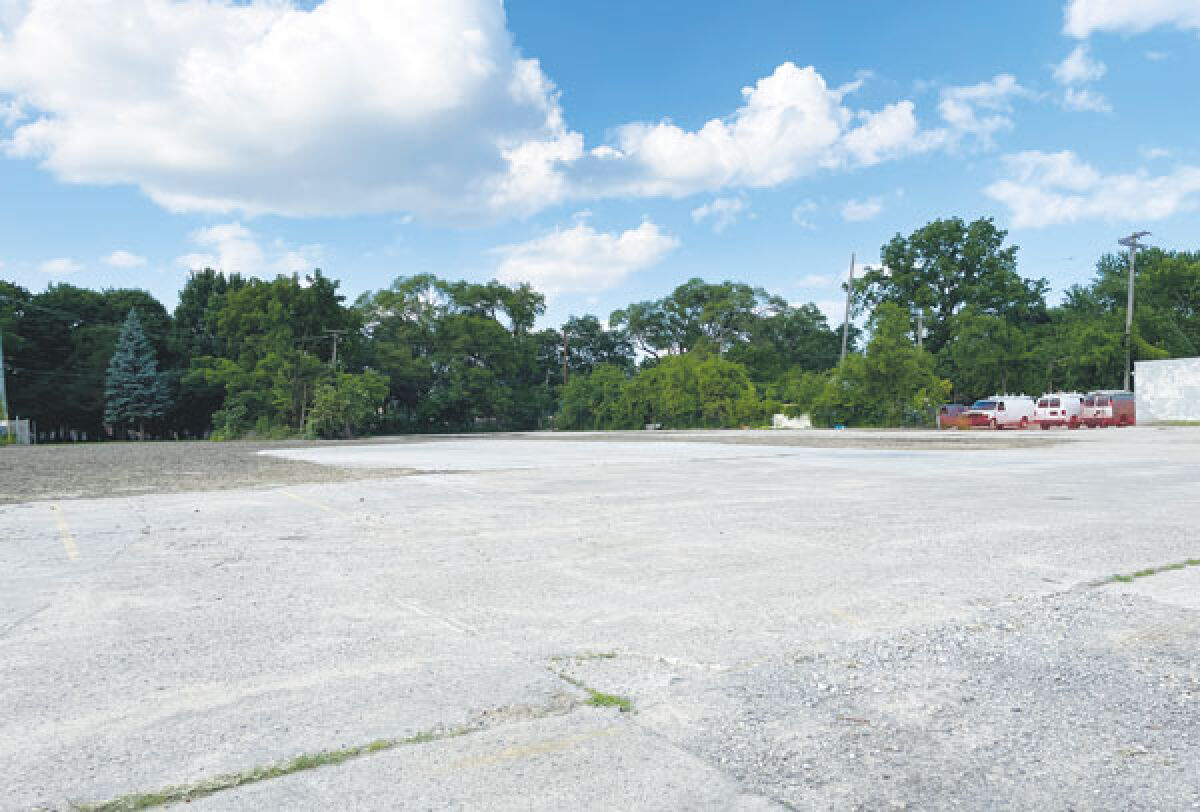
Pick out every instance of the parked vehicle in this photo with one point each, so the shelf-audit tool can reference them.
(1109, 407)
(1002, 411)
(1059, 409)
(952, 416)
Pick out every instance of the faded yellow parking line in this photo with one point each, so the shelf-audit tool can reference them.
(318, 505)
(846, 616)
(68, 539)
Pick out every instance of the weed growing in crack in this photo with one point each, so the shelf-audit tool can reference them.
(306, 761)
(1147, 572)
(602, 700)
(598, 699)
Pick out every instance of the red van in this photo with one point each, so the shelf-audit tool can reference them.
(1109, 407)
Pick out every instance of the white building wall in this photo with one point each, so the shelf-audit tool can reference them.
(1167, 390)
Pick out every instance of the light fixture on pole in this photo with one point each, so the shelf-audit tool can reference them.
(1131, 242)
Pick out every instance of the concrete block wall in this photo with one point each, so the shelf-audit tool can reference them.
(1167, 390)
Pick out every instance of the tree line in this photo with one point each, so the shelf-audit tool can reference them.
(240, 356)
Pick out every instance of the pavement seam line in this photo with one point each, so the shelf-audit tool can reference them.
(12, 627)
(1130, 577)
(306, 761)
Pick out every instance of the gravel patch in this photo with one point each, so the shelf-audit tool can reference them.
(100, 470)
(1070, 701)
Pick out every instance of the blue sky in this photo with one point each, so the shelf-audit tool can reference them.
(603, 151)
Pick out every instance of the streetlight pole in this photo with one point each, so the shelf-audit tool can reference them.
(1131, 243)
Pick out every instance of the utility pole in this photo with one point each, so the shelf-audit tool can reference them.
(920, 328)
(1130, 242)
(846, 322)
(566, 355)
(336, 334)
(3, 391)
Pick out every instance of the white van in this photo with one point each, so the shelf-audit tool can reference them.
(1001, 412)
(1059, 409)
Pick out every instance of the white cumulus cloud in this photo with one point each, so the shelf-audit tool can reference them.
(1085, 100)
(1084, 17)
(856, 211)
(233, 248)
(581, 259)
(124, 259)
(801, 212)
(980, 110)
(62, 266)
(791, 124)
(724, 212)
(1078, 67)
(350, 106)
(1044, 189)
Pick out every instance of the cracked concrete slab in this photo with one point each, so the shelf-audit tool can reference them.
(198, 633)
(565, 762)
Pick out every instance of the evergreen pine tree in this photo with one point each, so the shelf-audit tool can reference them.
(133, 388)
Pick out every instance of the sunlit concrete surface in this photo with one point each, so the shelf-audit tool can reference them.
(504, 454)
(795, 627)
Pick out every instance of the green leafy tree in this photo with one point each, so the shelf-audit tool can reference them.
(1166, 315)
(592, 400)
(787, 338)
(988, 354)
(348, 404)
(270, 338)
(460, 355)
(1083, 349)
(13, 301)
(893, 384)
(696, 312)
(949, 265)
(693, 390)
(65, 337)
(134, 390)
(590, 345)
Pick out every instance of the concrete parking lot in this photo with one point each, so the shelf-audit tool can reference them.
(725, 620)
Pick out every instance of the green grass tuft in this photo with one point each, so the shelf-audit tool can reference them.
(601, 700)
(598, 699)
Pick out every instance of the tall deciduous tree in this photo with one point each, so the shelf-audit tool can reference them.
(946, 266)
(718, 315)
(134, 390)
